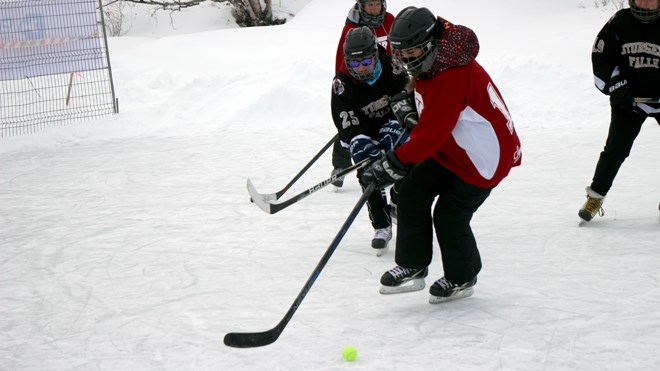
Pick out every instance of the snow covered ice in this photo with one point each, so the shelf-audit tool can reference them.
(130, 243)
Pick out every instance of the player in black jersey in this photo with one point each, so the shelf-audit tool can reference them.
(626, 66)
(361, 112)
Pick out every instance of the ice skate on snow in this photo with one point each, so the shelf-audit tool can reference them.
(442, 290)
(591, 207)
(399, 280)
(382, 237)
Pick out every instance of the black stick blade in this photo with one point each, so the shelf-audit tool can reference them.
(251, 339)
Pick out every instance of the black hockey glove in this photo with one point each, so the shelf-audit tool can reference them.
(385, 171)
(619, 92)
(403, 107)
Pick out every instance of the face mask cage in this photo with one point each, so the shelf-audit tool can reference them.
(414, 65)
(644, 15)
(372, 21)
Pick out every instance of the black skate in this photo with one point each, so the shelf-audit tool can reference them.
(381, 239)
(393, 280)
(442, 290)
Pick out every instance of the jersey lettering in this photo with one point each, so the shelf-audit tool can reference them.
(644, 62)
(498, 103)
(378, 108)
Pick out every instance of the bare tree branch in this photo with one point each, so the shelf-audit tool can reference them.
(169, 4)
(246, 12)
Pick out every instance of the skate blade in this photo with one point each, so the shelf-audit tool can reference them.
(441, 299)
(412, 285)
(381, 252)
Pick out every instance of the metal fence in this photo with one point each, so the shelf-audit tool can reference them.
(54, 64)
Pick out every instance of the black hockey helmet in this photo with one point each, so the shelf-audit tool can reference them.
(644, 15)
(360, 48)
(414, 39)
(372, 21)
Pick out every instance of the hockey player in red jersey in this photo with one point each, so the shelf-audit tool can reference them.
(365, 13)
(369, 13)
(463, 145)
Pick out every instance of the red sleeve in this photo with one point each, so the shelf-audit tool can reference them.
(443, 102)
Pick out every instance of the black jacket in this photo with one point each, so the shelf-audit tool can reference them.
(631, 48)
(359, 108)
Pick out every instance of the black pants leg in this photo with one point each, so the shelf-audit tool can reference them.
(341, 156)
(451, 217)
(377, 206)
(624, 128)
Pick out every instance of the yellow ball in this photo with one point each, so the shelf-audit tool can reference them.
(349, 353)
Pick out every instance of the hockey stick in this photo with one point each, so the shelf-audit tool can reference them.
(646, 100)
(259, 339)
(265, 204)
(278, 194)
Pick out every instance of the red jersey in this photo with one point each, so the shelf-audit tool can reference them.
(464, 125)
(382, 32)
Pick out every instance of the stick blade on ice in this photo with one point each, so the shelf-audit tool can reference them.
(251, 339)
(258, 198)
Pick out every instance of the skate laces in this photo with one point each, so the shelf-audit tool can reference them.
(445, 284)
(399, 271)
(383, 234)
(594, 206)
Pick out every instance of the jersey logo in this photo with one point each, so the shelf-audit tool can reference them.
(338, 86)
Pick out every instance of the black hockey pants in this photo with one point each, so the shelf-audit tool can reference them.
(453, 211)
(624, 128)
(379, 210)
(341, 156)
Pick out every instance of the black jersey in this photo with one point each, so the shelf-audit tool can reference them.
(630, 48)
(359, 108)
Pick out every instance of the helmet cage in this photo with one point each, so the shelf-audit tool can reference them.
(414, 65)
(360, 44)
(644, 15)
(372, 21)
